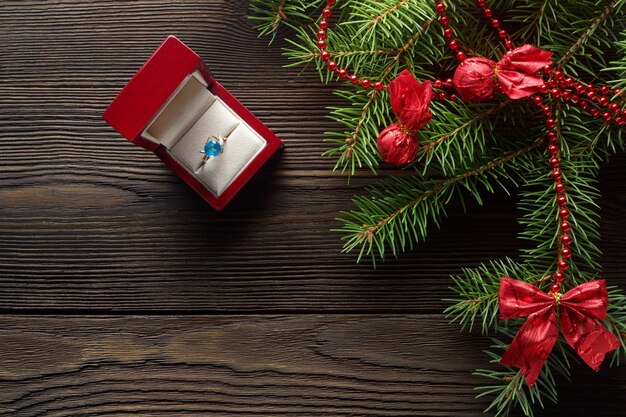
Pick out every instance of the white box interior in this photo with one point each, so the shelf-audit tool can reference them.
(190, 116)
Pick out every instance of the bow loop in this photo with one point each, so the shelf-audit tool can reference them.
(520, 299)
(590, 298)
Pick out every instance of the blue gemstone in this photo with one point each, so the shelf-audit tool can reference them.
(213, 148)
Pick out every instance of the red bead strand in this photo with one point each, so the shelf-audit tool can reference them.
(448, 32)
(344, 74)
(322, 44)
(564, 251)
(598, 101)
(495, 24)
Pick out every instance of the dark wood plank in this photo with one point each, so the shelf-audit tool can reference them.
(310, 365)
(89, 221)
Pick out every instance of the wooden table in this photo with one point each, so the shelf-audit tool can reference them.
(122, 293)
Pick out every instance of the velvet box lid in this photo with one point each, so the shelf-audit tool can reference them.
(173, 104)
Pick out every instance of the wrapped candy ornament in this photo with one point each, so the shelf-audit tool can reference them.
(478, 78)
(410, 99)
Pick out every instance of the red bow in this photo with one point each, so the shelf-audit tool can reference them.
(580, 310)
(515, 74)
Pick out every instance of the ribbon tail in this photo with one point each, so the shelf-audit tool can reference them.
(527, 58)
(518, 85)
(532, 344)
(589, 338)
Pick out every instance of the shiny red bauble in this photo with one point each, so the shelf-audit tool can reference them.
(559, 187)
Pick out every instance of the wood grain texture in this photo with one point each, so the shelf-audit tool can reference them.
(89, 221)
(93, 229)
(309, 365)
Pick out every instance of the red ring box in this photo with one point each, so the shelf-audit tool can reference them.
(172, 105)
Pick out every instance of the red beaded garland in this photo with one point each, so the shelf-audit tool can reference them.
(322, 43)
(557, 86)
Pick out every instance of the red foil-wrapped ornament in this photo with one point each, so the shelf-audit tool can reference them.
(410, 99)
(478, 78)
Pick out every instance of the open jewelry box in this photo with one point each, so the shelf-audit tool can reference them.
(173, 105)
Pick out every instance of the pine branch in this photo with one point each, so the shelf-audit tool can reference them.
(271, 14)
(476, 293)
(397, 214)
(509, 388)
(586, 35)
(356, 147)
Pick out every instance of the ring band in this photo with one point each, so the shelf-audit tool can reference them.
(213, 148)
